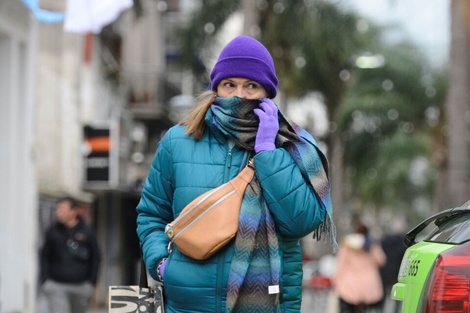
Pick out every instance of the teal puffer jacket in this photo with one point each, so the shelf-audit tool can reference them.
(181, 170)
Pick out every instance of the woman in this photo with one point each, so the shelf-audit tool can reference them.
(357, 278)
(261, 269)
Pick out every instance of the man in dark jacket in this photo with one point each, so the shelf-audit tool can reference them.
(69, 260)
(394, 249)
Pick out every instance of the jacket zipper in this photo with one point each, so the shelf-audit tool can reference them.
(228, 164)
(220, 262)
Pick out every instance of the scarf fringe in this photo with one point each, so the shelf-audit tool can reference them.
(326, 232)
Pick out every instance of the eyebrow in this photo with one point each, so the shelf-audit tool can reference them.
(236, 80)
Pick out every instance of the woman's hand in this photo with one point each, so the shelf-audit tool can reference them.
(268, 126)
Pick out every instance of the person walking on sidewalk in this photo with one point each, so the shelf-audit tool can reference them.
(357, 278)
(261, 269)
(69, 260)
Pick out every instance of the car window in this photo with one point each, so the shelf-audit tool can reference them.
(455, 230)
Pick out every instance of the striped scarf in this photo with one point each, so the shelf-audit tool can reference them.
(256, 244)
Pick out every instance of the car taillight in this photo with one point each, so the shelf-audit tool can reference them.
(448, 290)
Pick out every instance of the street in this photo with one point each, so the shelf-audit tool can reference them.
(313, 301)
(318, 301)
(325, 301)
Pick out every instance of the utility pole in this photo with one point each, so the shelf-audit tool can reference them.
(250, 18)
(456, 107)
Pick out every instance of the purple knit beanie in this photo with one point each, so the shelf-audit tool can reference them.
(248, 58)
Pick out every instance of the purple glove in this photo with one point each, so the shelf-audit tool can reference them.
(161, 269)
(268, 126)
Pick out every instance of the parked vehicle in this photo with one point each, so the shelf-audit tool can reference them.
(434, 274)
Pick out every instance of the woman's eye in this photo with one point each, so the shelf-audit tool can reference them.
(229, 85)
(252, 86)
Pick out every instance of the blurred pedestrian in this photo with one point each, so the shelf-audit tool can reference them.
(357, 278)
(394, 249)
(70, 260)
(261, 269)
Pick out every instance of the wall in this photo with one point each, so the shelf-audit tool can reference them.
(18, 203)
(59, 130)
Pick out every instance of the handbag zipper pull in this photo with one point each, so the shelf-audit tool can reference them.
(251, 163)
(169, 231)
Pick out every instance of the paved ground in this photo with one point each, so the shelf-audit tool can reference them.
(320, 301)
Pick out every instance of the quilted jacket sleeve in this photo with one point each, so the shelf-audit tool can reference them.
(295, 207)
(155, 207)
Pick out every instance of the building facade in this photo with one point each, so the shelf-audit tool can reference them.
(18, 187)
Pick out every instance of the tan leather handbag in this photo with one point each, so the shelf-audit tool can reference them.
(211, 220)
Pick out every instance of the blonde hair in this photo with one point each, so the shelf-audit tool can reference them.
(194, 122)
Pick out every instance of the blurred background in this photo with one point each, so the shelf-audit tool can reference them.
(88, 88)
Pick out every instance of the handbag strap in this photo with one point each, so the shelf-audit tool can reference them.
(143, 283)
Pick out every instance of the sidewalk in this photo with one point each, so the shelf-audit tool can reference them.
(41, 306)
(98, 310)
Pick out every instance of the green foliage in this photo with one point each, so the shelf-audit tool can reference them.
(312, 42)
(386, 180)
(197, 36)
(385, 130)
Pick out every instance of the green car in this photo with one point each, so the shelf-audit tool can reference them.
(434, 274)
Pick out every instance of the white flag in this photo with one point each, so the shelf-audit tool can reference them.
(84, 16)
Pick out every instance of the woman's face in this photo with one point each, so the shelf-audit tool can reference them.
(240, 87)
